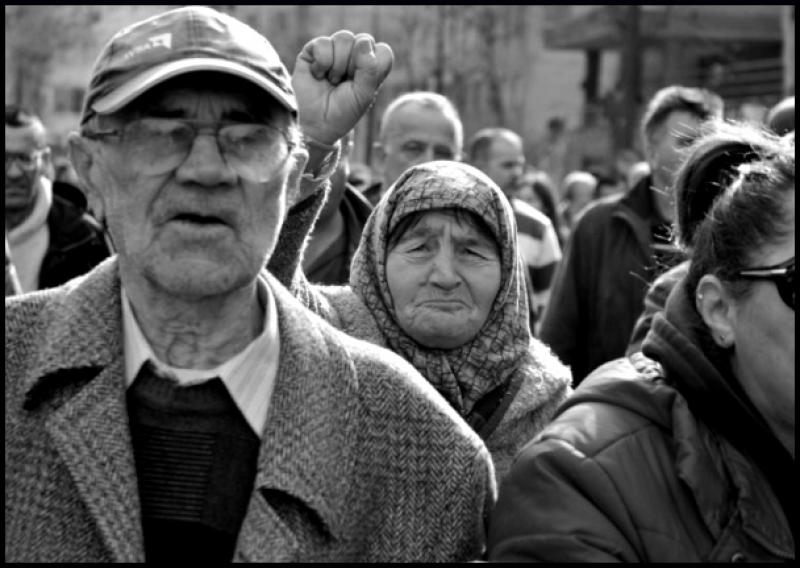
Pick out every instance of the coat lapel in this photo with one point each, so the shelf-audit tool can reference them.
(308, 447)
(90, 429)
(92, 436)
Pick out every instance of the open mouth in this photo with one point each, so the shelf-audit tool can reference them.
(198, 219)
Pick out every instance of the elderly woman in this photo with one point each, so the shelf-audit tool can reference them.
(685, 454)
(437, 278)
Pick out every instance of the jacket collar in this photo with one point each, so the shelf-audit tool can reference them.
(83, 329)
(307, 450)
(314, 413)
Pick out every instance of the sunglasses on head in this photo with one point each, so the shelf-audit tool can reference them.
(781, 274)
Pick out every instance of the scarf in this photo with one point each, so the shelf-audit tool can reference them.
(465, 374)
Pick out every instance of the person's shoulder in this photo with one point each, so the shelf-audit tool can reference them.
(626, 398)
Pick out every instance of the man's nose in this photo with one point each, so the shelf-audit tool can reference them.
(205, 164)
(14, 170)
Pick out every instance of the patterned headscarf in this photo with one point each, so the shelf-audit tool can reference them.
(464, 374)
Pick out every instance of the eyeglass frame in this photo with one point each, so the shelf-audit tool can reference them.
(782, 274)
(197, 126)
(34, 156)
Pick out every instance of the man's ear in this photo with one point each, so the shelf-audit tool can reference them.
(297, 189)
(718, 310)
(81, 153)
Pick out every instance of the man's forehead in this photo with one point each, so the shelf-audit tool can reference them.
(424, 123)
(505, 149)
(25, 138)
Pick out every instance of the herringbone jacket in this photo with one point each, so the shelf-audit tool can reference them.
(361, 459)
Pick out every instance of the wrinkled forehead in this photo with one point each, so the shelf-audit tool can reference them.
(25, 138)
(414, 121)
(447, 188)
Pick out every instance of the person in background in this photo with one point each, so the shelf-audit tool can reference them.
(416, 127)
(537, 189)
(579, 190)
(338, 229)
(686, 454)
(51, 237)
(780, 118)
(620, 245)
(550, 153)
(696, 189)
(498, 152)
(178, 404)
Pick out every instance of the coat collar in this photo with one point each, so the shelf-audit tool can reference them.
(307, 451)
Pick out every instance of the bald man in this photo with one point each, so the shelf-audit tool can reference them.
(416, 127)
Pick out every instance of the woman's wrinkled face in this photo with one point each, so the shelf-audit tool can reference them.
(443, 275)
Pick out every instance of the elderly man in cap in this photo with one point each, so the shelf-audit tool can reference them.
(177, 403)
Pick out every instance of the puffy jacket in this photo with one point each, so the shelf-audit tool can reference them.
(651, 461)
(601, 282)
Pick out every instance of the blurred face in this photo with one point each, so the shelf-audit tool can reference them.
(667, 146)
(443, 276)
(763, 355)
(200, 228)
(582, 194)
(26, 156)
(414, 135)
(505, 164)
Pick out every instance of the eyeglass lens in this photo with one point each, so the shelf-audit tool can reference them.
(255, 151)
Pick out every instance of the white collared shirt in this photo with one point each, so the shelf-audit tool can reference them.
(249, 376)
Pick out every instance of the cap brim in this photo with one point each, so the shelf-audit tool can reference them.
(124, 94)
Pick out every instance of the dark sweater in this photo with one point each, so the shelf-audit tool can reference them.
(196, 460)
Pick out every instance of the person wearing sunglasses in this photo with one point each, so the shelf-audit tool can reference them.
(50, 237)
(683, 452)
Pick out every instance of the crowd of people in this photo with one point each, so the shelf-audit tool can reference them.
(224, 344)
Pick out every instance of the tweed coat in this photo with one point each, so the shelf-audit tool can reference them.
(361, 460)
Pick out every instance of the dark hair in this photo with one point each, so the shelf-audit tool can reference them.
(462, 216)
(545, 189)
(700, 102)
(710, 166)
(749, 213)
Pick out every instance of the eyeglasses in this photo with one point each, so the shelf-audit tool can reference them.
(781, 274)
(159, 145)
(26, 161)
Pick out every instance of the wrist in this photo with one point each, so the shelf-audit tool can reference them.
(322, 159)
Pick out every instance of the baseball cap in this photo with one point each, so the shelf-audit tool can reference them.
(184, 40)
